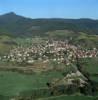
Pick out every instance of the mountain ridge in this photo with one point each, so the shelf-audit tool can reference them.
(16, 25)
(13, 13)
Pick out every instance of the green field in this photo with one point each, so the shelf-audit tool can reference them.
(65, 97)
(90, 65)
(12, 83)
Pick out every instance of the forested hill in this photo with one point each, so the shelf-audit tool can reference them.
(16, 25)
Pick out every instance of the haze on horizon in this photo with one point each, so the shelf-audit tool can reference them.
(51, 8)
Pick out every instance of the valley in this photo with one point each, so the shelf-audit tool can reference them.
(48, 59)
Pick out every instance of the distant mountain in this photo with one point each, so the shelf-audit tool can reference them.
(15, 25)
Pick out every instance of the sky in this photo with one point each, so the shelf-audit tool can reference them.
(51, 8)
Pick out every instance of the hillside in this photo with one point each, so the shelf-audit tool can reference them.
(15, 25)
(48, 59)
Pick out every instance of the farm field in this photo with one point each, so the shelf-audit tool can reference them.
(12, 83)
(91, 65)
(65, 97)
(15, 83)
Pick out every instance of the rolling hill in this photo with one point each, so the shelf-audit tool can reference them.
(17, 32)
(15, 25)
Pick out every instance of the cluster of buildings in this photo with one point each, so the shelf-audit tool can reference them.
(59, 51)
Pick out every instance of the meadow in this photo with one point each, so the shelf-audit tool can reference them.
(65, 97)
(12, 83)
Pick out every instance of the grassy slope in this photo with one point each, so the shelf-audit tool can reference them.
(65, 97)
(76, 37)
(90, 65)
(6, 43)
(11, 83)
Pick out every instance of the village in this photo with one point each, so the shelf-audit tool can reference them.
(57, 51)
